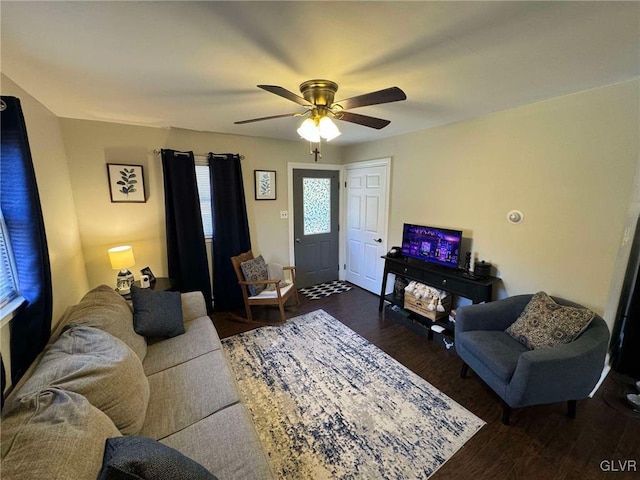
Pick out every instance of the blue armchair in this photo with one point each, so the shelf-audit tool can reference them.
(523, 377)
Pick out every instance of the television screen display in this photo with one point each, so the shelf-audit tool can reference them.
(430, 244)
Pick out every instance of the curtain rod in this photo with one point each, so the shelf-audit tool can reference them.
(158, 151)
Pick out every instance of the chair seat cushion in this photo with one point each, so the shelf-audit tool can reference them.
(272, 293)
(544, 323)
(495, 350)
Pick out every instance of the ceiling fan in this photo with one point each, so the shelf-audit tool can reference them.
(321, 108)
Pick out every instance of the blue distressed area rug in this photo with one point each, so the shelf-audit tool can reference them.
(327, 404)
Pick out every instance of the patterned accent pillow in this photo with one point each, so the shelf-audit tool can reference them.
(254, 270)
(544, 323)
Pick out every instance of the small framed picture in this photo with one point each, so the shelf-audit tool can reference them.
(265, 183)
(147, 271)
(126, 183)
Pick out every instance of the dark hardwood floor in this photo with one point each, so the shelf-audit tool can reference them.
(541, 443)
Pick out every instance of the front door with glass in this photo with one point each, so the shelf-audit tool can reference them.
(315, 226)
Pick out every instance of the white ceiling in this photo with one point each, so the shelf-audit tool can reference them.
(196, 65)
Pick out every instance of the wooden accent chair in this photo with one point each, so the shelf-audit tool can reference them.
(276, 295)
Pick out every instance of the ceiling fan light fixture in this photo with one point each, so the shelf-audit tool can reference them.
(328, 130)
(309, 131)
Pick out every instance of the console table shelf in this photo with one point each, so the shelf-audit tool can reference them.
(456, 282)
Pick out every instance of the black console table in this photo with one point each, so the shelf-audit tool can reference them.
(456, 282)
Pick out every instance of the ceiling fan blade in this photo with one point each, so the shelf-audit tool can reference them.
(241, 122)
(388, 95)
(365, 120)
(283, 92)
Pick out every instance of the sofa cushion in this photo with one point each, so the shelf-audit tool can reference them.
(106, 309)
(93, 363)
(157, 314)
(188, 392)
(544, 323)
(200, 337)
(225, 443)
(255, 270)
(193, 306)
(54, 434)
(141, 458)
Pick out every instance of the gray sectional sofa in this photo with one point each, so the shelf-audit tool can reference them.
(98, 379)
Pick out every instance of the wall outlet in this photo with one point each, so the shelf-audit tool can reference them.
(284, 214)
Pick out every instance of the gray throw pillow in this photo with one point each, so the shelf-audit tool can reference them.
(106, 309)
(101, 368)
(545, 324)
(253, 271)
(142, 458)
(157, 314)
(53, 434)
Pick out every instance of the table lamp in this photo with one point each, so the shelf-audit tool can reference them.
(121, 259)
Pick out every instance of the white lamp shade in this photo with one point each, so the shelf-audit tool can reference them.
(328, 129)
(309, 131)
(121, 258)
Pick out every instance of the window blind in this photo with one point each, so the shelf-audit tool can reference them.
(204, 192)
(8, 282)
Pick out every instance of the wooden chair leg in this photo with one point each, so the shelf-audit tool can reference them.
(464, 370)
(282, 316)
(506, 413)
(248, 308)
(571, 408)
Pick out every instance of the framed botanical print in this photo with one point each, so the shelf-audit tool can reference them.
(265, 184)
(126, 183)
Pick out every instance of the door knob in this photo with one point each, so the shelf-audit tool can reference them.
(297, 240)
(379, 240)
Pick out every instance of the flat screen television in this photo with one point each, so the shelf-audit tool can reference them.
(440, 246)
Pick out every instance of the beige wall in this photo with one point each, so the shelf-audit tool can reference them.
(91, 145)
(567, 163)
(52, 174)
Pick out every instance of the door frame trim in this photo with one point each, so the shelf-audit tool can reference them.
(291, 166)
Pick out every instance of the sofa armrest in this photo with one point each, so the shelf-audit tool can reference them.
(193, 306)
(493, 316)
(564, 372)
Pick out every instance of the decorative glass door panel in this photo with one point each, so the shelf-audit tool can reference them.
(316, 199)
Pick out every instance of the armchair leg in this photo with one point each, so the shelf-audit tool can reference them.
(464, 370)
(506, 412)
(571, 408)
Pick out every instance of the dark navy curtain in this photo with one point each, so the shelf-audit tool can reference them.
(230, 228)
(20, 202)
(186, 250)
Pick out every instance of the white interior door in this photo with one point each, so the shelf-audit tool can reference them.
(367, 200)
